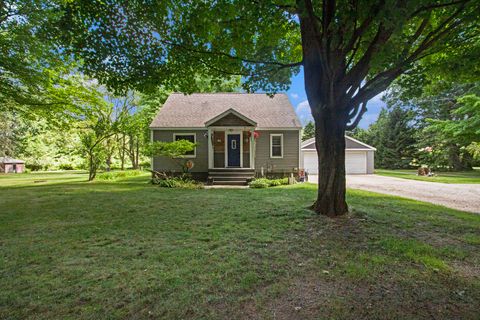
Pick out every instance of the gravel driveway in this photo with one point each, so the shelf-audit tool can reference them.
(464, 197)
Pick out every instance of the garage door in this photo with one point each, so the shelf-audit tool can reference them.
(355, 162)
(310, 162)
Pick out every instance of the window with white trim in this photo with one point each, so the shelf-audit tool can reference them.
(276, 145)
(189, 137)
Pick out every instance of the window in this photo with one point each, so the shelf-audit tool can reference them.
(189, 137)
(276, 145)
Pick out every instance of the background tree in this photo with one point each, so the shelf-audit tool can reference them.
(308, 131)
(435, 98)
(350, 51)
(462, 128)
(96, 130)
(36, 76)
(175, 150)
(394, 137)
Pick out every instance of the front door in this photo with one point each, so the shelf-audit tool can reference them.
(233, 150)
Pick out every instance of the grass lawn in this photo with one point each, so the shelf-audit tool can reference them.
(127, 249)
(445, 177)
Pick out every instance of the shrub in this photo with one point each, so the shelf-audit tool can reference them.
(278, 182)
(259, 183)
(114, 175)
(265, 183)
(66, 166)
(182, 182)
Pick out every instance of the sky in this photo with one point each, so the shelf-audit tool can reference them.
(298, 98)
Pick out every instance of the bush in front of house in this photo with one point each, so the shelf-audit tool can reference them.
(184, 181)
(114, 175)
(265, 183)
(259, 183)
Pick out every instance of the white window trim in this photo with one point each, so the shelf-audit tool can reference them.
(194, 155)
(271, 145)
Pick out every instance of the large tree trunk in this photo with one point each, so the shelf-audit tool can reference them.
(330, 143)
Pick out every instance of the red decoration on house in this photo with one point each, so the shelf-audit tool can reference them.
(256, 134)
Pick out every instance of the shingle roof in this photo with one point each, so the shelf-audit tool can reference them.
(10, 160)
(192, 111)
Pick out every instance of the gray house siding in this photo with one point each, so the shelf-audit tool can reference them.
(291, 148)
(200, 160)
(287, 164)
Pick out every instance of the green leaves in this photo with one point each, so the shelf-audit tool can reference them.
(175, 149)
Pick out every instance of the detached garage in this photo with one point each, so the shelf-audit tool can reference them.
(358, 156)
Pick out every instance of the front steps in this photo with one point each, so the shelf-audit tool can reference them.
(230, 176)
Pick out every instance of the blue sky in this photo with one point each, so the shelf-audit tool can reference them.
(298, 98)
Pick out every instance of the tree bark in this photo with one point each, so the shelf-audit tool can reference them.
(330, 144)
(322, 73)
(92, 168)
(122, 153)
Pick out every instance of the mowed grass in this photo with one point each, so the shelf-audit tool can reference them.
(444, 177)
(70, 249)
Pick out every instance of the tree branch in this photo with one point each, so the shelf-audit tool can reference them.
(227, 55)
(355, 123)
(358, 32)
(436, 6)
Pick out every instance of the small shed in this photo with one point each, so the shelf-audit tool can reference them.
(10, 165)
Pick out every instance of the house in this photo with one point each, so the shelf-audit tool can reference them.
(358, 157)
(10, 165)
(237, 135)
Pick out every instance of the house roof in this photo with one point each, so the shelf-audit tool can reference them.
(195, 110)
(350, 144)
(10, 160)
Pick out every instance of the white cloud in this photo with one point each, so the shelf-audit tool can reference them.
(294, 95)
(303, 112)
(303, 107)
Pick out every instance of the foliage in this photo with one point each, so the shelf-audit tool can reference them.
(393, 134)
(464, 125)
(115, 175)
(174, 149)
(258, 183)
(265, 183)
(98, 125)
(308, 131)
(36, 76)
(474, 149)
(180, 182)
(435, 106)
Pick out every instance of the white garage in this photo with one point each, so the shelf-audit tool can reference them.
(358, 156)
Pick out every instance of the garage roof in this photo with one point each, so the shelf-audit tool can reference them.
(350, 144)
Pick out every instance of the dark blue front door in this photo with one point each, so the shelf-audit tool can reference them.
(233, 147)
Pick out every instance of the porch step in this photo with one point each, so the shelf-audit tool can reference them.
(229, 183)
(232, 170)
(230, 176)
